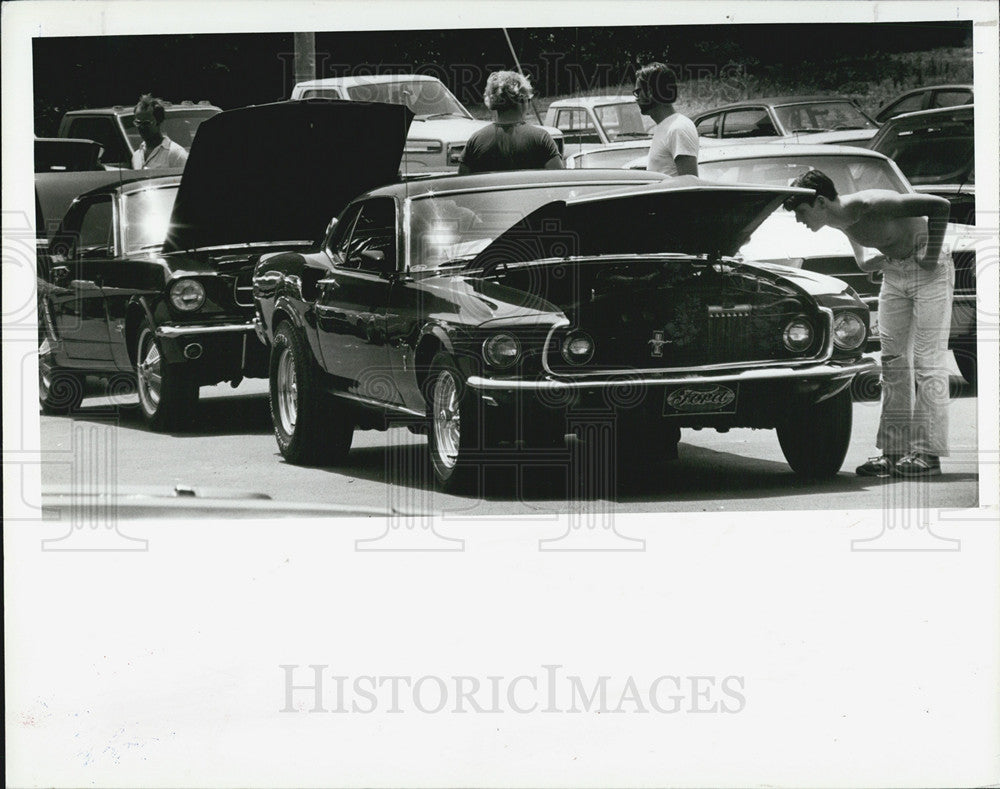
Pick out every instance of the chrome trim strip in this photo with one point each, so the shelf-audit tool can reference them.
(551, 385)
(377, 403)
(182, 331)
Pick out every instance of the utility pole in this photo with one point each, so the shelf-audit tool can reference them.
(305, 56)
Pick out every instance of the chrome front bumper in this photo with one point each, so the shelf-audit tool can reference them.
(815, 372)
(203, 328)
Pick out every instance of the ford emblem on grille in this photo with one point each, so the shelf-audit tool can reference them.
(701, 399)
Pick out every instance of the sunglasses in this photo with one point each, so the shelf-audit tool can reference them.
(142, 124)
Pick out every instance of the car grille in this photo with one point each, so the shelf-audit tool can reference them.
(695, 335)
(965, 272)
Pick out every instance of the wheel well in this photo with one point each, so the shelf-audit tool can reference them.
(133, 318)
(278, 317)
(426, 350)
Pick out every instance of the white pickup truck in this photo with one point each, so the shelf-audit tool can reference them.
(441, 125)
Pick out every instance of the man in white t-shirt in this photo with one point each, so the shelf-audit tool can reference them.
(674, 147)
(157, 150)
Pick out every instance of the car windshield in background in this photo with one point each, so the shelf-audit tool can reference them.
(147, 216)
(936, 155)
(621, 121)
(822, 116)
(178, 126)
(848, 173)
(426, 98)
(450, 230)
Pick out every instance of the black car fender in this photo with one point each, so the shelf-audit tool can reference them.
(137, 309)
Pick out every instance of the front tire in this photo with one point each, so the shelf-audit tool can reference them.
(309, 425)
(815, 438)
(455, 426)
(167, 393)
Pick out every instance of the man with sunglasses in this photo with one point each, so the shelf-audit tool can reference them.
(674, 147)
(157, 150)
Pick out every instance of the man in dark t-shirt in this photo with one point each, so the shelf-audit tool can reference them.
(509, 143)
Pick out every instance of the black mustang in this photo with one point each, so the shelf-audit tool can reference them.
(115, 299)
(507, 309)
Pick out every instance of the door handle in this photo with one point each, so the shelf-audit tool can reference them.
(83, 284)
(328, 284)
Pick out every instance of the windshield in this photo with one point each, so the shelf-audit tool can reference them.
(452, 229)
(822, 116)
(621, 121)
(848, 173)
(179, 125)
(147, 216)
(425, 97)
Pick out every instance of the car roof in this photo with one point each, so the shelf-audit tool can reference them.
(122, 109)
(949, 86)
(918, 115)
(775, 101)
(367, 79)
(719, 153)
(528, 178)
(592, 101)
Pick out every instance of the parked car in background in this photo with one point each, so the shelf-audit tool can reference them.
(441, 125)
(781, 238)
(591, 121)
(628, 156)
(151, 276)
(808, 119)
(66, 155)
(497, 310)
(926, 98)
(936, 150)
(112, 127)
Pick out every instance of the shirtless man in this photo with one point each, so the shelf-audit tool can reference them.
(914, 312)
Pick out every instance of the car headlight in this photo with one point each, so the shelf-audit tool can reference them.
(187, 295)
(798, 335)
(848, 331)
(578, 348)
(502, 350)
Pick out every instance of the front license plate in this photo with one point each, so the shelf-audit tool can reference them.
(701, 399)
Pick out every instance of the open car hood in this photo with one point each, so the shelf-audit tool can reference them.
(683, 215)
(280, 172)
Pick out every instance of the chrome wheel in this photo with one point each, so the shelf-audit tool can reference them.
(149, 372)
(447, 419)
(288, 391)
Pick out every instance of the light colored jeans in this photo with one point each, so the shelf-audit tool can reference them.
(914, 316)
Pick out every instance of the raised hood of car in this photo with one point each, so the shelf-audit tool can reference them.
(280, 172)
(684, 215)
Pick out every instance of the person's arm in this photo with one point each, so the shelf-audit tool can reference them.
(463, 168)
(937, 210)
(686, 165)
(555, 163)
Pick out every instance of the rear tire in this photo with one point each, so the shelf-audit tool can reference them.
(59, 391)
(167, 393)
(815, 438)
(310, 426)
(965, 358)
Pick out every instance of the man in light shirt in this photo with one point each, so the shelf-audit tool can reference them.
(157, 150)
(674, 147)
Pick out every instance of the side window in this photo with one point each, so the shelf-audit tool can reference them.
(709, 126)
(576, 127)
(907, 104)
(748, 123)
(372, 246)
(104, 131)
(951, 98)
(96, 229)
(336, 245)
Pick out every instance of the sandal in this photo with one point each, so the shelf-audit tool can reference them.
(918, 464)
(878, 467)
